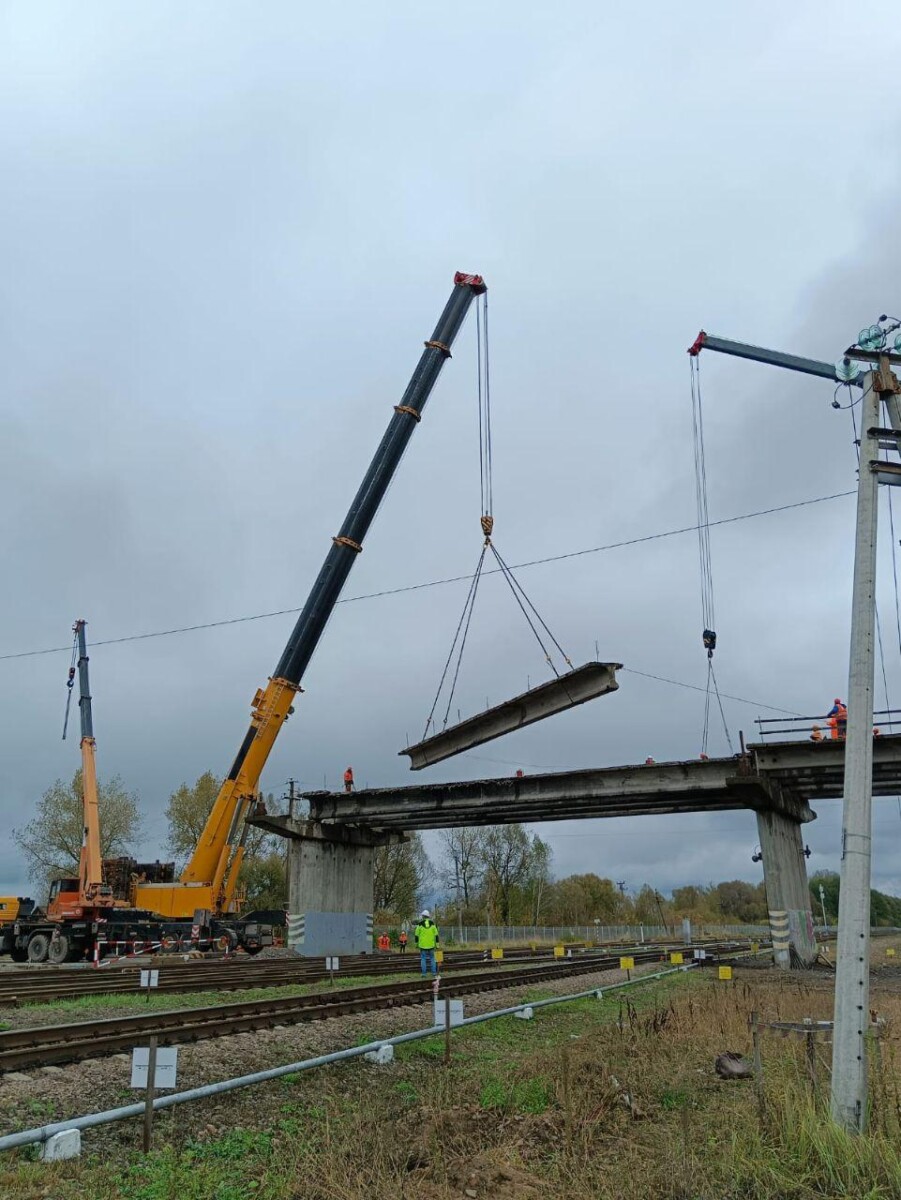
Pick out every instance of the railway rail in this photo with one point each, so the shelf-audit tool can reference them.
(43, 985)
(38, 985)
(22, 1049)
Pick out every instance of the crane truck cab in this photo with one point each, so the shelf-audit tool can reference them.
(11, 908)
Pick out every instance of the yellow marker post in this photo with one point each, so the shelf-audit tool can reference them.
(676, 958)
(890, 953)
(439, 956)
(755, 947)
(497, 952)
(725, 973)
(626, 964)
(559, 952)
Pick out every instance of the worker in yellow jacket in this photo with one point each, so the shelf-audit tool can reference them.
(426, 936)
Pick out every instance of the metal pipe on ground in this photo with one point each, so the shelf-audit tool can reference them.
(42, 1133)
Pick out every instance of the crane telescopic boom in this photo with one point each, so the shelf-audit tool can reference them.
(90, 865)
(209, 880)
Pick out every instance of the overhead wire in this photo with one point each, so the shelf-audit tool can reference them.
(416, 587)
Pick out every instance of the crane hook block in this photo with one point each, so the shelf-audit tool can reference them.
(697, 345)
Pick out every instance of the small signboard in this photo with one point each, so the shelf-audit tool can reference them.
(150, 979)
(627, 963)
(890, 953)
(332, 963)
(700, 955)
(166, 1062)
(456, 1012)
(676, 958)
(497, 952)
(725, 973)
(439, 956)
(558, 952)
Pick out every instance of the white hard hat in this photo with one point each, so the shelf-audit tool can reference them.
(424, 913)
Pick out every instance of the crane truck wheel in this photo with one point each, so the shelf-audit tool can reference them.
(38, 948)
(61, 949)
(19, 954)
(252, 950)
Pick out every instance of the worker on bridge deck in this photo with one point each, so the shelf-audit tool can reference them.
(349, 779)
(816, 733)
(426, 935)
(838, 720)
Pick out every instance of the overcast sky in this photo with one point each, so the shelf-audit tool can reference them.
(225, 230)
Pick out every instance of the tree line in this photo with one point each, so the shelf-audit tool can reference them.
(496, 874)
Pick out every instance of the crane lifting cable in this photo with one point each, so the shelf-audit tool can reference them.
(569, 687)
(708, 611)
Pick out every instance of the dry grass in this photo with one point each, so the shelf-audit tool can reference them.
(612, 1100)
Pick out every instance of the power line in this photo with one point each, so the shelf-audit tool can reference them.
(415, 587)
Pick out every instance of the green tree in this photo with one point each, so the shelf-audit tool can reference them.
(739, 901)
(187, 813)
(399, 874)
(265, 880)
(51, 841)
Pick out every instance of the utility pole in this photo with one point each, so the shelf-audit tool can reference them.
(852, 979)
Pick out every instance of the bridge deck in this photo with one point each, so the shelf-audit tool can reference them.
(784, 776)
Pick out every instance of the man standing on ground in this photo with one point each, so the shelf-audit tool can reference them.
(426, 936)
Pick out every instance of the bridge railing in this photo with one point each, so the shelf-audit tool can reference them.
(796, 729)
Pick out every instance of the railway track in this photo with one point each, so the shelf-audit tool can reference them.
(37, 985)
(22, 1049)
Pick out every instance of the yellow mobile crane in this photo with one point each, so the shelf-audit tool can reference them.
(208, 884)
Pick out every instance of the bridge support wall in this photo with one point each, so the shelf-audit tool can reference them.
(787, 892)
(330, 888)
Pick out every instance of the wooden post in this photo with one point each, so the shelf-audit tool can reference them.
(811, 1053)
(151, 1091)
(758, 1065)
(447, 1031)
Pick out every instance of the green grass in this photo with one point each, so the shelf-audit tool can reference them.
(593, 1100)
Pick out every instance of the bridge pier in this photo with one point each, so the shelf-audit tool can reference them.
(787, 891)
(330, 884)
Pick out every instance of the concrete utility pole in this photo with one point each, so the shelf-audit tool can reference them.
(852, 976)
(852, 981)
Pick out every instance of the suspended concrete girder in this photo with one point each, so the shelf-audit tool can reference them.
(576, 687)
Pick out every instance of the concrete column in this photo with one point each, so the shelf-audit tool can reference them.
(787, 893)
(330, 887)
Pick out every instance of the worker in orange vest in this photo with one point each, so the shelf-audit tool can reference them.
(838, 720)
(384, 942)
(403, 941)
(349, 779)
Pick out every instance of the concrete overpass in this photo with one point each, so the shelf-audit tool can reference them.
(332, 851)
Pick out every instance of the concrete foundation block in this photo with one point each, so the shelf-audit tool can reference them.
(381, 1057)
(62, 1145)
(524, 1014)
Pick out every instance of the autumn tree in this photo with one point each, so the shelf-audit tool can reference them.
(460, 866)
(400, 872)
(511, 860)
(51, 841)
